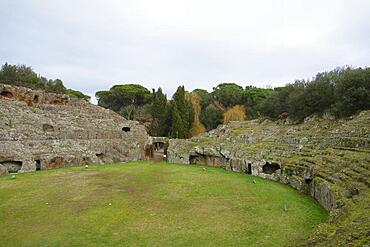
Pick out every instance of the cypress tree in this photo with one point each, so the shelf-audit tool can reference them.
(178, 128)
(159, 113)
(182, 114)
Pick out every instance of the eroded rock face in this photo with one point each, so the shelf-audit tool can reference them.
(297, 177)
(3, 170)
(326, 159)
(323, 194)
(43, 130)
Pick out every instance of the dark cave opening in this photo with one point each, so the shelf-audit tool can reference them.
(38, 165)
(249, 168)
(195, 159)
(47, 127)
(126, 129)
(100, 155)
(308, 180)
(6, 94)
(270, 168)
(12, 166)
(158, 146)
(36, 99)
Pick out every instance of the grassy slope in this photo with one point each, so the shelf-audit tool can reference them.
(156, 205)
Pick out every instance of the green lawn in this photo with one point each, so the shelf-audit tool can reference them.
(146, 204)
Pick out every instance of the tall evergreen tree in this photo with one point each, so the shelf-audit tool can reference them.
(182, 114)
(228, 94)
(159, 113)
(125, 99)
(178, 129)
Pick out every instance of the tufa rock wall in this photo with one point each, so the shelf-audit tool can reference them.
(41, 130)
(328, 160)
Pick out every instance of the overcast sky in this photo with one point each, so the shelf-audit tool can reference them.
(92, 45)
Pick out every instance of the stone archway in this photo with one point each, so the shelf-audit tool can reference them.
(157, 150)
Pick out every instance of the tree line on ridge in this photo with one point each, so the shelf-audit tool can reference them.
(24, 76)
(340, 93)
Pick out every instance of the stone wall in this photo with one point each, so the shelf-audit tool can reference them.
(41, 130)
(300, 178)
(328, 160)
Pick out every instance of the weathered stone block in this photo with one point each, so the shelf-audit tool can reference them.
(3, 170)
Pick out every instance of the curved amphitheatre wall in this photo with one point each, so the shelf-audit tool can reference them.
(326, 159)
(329, 160)
(41, 130)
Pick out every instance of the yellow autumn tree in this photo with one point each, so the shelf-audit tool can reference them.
(235, 113)
(197, 127)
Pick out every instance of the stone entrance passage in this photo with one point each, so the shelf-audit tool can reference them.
(157, 151)
(249, 170)
(38, 165)
(158, 156)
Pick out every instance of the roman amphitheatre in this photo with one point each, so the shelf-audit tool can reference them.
(76, 174)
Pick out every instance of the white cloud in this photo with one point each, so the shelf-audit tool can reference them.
(93, 44)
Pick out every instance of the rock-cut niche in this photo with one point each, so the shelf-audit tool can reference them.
(36, 99)
(270, 168)
(6, 94)
(12, 166)
(47, 127)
